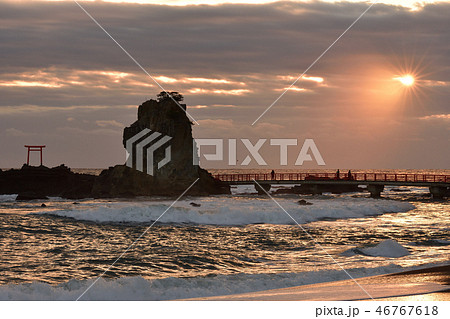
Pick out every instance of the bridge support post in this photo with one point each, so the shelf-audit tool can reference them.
(316, 189)
(438, 192)
(261, 187)
(375, 190)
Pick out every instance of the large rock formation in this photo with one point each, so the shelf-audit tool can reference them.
(167, 118)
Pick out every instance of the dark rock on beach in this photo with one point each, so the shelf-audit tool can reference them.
(195, 204)
(303, 202)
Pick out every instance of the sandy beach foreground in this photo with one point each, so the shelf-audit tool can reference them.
(430, 284)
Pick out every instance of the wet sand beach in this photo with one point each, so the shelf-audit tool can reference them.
(429, 284)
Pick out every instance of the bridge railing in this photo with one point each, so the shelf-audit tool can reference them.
(364, 177)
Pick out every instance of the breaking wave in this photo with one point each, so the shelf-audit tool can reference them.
(139, 288)
(386, 248)
(232, 211)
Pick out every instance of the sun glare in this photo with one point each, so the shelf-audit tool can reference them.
(409, 76)
(406, 80)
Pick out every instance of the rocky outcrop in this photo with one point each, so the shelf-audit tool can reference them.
(163, 116)
(37, 182)
(167, 118)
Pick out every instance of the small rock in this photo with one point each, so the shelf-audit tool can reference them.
(399, 190)
(303, 202)
(194, 204)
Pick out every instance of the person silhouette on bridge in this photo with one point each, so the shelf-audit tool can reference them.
(338, 173)
(349, 175)
(272, 174)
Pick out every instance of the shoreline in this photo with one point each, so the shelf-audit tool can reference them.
(427, 284)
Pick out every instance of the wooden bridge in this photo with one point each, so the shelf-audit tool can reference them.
(438, 185)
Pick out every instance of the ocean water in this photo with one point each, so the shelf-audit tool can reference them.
(230, 244)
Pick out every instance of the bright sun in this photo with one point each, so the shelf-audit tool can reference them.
(406, 80)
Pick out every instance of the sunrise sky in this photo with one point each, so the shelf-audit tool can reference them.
(379, 98)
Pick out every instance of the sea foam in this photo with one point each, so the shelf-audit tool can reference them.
(232, 211)
(8, 198)
(139, 288)
(387, 248)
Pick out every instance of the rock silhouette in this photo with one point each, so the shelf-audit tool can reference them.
(38, 182)
(168, 118)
